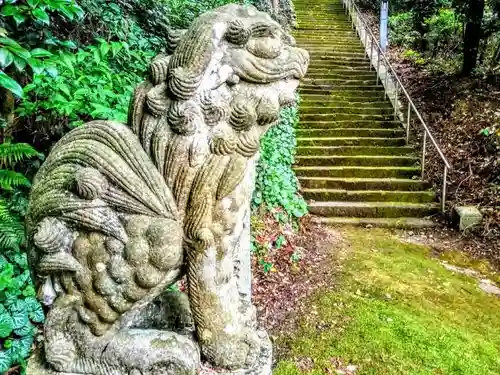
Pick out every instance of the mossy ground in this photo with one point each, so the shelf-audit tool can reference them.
(395, 310)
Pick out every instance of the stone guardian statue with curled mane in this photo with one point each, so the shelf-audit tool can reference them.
(118, 213)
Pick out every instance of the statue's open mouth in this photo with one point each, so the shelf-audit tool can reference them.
(291, 63)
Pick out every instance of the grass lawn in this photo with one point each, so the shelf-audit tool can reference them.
(395, 310)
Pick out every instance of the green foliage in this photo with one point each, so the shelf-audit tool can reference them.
(21, 28)
(93, 83)
(445, 30)
(413, 56)
(402, 33)
(276, 183)
(19, 308)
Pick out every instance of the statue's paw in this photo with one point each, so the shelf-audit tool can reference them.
(234, 351)
(254, 345)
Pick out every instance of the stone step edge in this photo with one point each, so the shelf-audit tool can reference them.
(397, 223)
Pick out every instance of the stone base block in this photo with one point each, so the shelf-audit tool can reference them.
(467, 217)
(263, 366)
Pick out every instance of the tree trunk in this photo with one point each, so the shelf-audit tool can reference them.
(473, 35)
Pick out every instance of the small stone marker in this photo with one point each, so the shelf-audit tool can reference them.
(468, 217)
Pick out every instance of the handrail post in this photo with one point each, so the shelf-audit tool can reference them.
(371, 51)
(378, 64)
(408, 124)
(443, 197)
(396, 102)
(366, 45)
(386, 82)
(424, 145)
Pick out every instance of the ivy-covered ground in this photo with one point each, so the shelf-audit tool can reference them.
(391, 307)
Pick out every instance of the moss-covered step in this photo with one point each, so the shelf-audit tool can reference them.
(358, 172)
(337, 57)
(350, 132)
(322, 195)
(335, 82)
(332, 108)
(366, 160)
(321, 66)
(397, 223)
(319, 42)
(334, 49)
(372, 209)
(349, 99)
(341, 124)
(335, 116)
(362, 183)
(320, 38)
(355, 150)
(308, 88)
(362, 75)
(353, 99)
(356, 66)
(350, 141)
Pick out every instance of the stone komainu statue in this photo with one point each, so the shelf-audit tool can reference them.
(119, 213)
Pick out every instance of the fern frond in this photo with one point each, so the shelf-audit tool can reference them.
(11, 179)
(4, 211)
(11, 228)
(11, 153)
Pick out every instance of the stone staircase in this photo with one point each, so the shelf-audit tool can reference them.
(353, 164)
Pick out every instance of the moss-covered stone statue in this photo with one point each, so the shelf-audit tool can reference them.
(118, 213)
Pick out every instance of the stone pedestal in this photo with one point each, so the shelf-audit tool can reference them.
(467, 217)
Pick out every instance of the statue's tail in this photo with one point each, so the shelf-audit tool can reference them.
(102, 223)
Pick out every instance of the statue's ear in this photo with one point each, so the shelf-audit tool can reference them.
(159, 69)
(237, 33)
(173, 39)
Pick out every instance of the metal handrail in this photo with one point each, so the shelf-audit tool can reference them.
(356, 17)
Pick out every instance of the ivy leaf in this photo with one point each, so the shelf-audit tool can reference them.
(6, 324)
(25, 330)
(40, 52)
(35, 310)
(65, 89)
(67, 60)
(19, 63)
(115, 48)
(19, 314)
(33, 3)
(10, 84)
(104, 49)
(41, 15)
(5, 361)
(77, 10)
(37, 65)
(21, 348)
(9, 10)
(67, 13)
(51, 71)
(15, 48)
(68, 44)
(6, 58)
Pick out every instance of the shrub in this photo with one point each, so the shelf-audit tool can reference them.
(94, 83)
(402, 32)
(445, 31)
(413, 56)
(276, 183)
